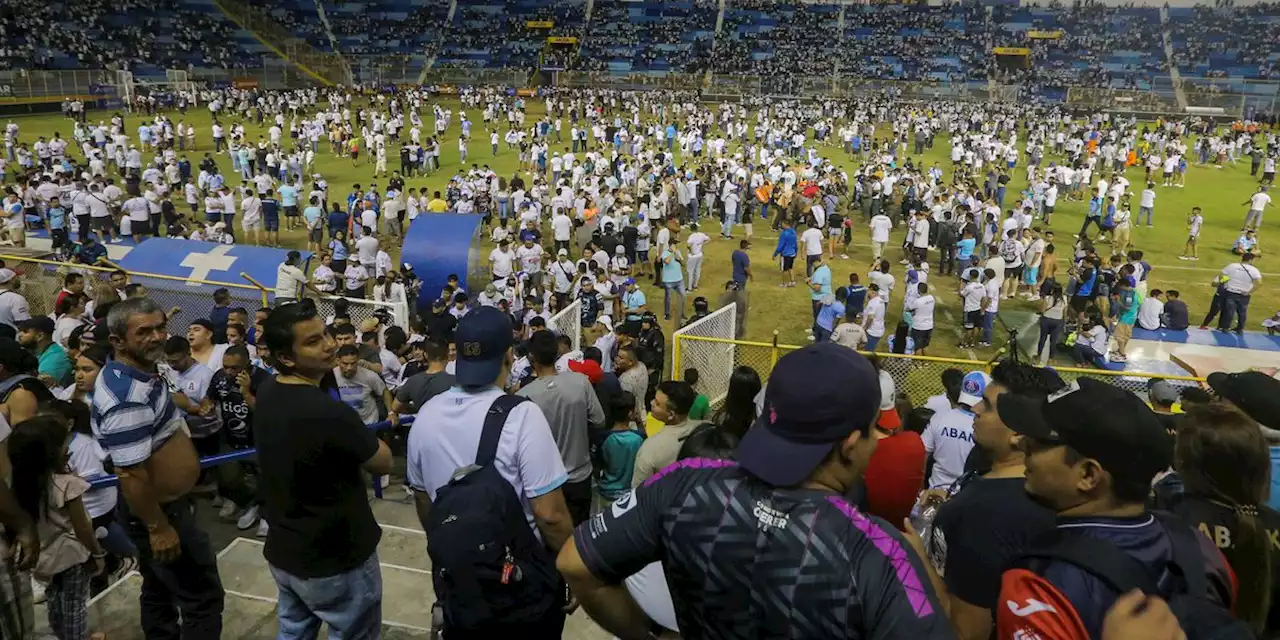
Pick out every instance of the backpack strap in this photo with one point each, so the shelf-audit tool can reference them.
(1117, 569)
(494, 420)
(1188, 559)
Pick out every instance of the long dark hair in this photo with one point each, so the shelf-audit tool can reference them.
(738, 412)
(1222, 457)
(37, 450)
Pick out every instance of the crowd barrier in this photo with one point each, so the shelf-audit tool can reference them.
(919, 377)
(102, 482)
(42, 280)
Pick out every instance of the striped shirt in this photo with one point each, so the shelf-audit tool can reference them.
(133, 414)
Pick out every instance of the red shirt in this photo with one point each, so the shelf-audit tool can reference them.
(895, 475)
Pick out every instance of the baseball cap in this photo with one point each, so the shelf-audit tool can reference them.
(562, 252)
(629, 281)
(201, 322)
(805, 415)
(1254, 392)
(607, 322)
(1162, 392)
(43, 324)
(972, 387)
(483, 338)
(6, 275)
(1101, 421)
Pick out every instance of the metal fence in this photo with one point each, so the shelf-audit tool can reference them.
(918, 377)
(1126, 100)
(473, 77)
(33, 85)
(630, 81)
(707, 345)
(568, 322)
(326, 68)
(42, 280)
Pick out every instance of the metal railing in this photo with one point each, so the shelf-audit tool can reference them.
(919, 377)
(42, 281)
(325, 68)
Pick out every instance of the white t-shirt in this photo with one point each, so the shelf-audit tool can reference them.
(1149, 313)
(949, 439)
(812, 239)
(880, 226)
(367, 250)
(527, 455)
(992, 287)
(501, 261)
(973, 293)
(289, 281)
(530, 258)
(696, 241)
(561, 227)
(922, 312)
(1259, 200)
(137, 209)
(874, 315)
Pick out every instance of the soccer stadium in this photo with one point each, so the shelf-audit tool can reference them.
(741, 305)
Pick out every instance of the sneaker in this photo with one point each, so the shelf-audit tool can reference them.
(984, 345)
(249, 518)
(262, 529)
(1034, 298)
(1204, 327)
(227, 510)
(1184, 258)
(1195, 257)
(844, 256)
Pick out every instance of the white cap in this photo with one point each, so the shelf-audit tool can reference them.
(7, 275)
(607, 322)
(972, 387)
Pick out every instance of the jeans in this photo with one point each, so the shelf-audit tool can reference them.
(1233, 305)
(1085, 354)
(820, 334)
(730, 218)
(695, 271)
(873, 341)
(946, 260)
(1215, 306)
(988, 325)
(349, 603)
(677, 288)
(189, 585)
(1050, 331)
(1150, 211)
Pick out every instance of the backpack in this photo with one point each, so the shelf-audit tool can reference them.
(1184, 589)
(488, 567)
(946, 234)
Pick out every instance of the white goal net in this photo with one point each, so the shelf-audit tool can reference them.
(568, 322)
(707, 345)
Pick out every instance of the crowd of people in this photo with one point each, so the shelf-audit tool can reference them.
(600, 207)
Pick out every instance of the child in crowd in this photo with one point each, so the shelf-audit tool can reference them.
(618, 451)
(70, 555)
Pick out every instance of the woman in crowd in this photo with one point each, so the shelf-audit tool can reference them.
(738, 412)
(1052, 305)
(1220, 486)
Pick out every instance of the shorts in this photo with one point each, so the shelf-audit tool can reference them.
(1191, 240)
(102, 224)
(1048, 208)
(921, 337)
(972, 319)
(834, 232)
(1079, 303)
(788, 262)
(642, 255)
(140, 227)
(291, 211)
(314, 235)
(1268, 176)
(1167, 174)
(60, 238)
(1030, 275)
(1013, 272)
(250, 224)
(213, 216)
(272, 223)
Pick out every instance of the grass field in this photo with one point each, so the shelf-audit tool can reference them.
(1219, 192)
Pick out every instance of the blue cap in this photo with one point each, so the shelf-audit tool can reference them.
(805, 415)
(483, 338)
(972, 387)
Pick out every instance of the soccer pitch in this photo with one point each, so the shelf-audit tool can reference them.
(786, 311)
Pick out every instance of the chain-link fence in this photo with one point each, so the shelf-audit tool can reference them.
(708, 346)
(360, 310)
(43, 280)
(918, 377)
(568, 322)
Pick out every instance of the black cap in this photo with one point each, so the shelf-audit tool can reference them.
(1098, 420)
(805, 414)
(1253, 392)
(43, 324)
(483, 337)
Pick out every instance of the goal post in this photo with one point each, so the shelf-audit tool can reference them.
(125, 88)
(568, 322)
(708, 345)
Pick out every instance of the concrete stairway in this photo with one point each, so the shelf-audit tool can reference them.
(251, 592)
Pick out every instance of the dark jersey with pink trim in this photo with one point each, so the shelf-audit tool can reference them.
(746, 560)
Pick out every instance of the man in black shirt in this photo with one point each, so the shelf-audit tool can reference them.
(312, 447)
(766, 546)
(985, 525)
(427, 384)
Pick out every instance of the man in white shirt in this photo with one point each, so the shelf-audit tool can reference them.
(921, 310)
(697, 240)
(811, 240)
(139, 213)
(561, 229)
(367, 251)
(1257, 202)
(501, 260)
(873, 317)
(880, 226)
(530, 256)
(1150, 310)
(949, 436)
(1241, 278)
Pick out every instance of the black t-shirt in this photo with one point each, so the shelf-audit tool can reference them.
(1221, 525)
(421, 387)
(237, 417)
(979, 531)
(310, 448)
(785, 563)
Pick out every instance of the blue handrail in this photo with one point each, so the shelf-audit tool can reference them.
(102, 482)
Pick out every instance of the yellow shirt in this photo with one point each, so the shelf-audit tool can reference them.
(437, 206)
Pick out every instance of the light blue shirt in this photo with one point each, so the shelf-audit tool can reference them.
(288, 195)
(671, 271)
(822, 277)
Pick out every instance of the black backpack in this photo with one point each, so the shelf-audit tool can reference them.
(488, 567)
(1182, 583)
